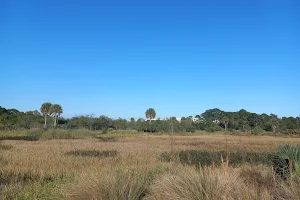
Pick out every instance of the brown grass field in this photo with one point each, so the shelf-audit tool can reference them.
(130, 168)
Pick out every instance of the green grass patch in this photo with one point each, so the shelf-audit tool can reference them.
(8, 177)
(207, 158)
(107, 138)
(112, 136)
(27, 186)
(6, 147)
(47, 134)
(93, 153)
(25, 137)
(122, 184)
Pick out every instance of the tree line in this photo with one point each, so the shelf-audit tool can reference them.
(49, 115)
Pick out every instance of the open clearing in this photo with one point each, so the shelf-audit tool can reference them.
(53, 169)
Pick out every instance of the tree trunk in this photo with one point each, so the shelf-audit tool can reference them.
(55, 120)
(225, 125)
(274, 128)
(45, 125)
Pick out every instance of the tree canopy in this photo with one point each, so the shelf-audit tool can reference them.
(45, 110)
(150, 114)
(55, 110)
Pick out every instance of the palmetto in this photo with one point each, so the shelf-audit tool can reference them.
(290, 152)
(45, 110)
(150, 114)
(56, 110)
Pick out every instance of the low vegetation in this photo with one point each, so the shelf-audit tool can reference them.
(140, 167)
(46, 134)
(92, 153)
(208, 158)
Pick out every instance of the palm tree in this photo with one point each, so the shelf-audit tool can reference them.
(274, 121)
(56, 111)
(45, 110)
(150, 114)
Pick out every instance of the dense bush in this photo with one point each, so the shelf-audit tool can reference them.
(257, 130)
(213, 128)
(290, 131)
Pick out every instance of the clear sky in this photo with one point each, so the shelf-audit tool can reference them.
(118, 58)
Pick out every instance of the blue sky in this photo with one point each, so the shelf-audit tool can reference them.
(118, 58)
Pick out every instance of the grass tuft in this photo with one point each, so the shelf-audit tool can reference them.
(202, 184)
(130, 184)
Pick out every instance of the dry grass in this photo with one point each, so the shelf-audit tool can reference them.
(126, 184)
(188, 183)
(44, 170)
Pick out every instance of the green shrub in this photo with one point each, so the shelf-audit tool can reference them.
(291, 153)
(290, 131)
(105, 131)
(212, 129)
(257, 130)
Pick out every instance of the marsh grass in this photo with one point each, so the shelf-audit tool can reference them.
(25, 137)
(201, 184)
(107, 138)
(29, 185)
(33, 188)
(41, 169)
(208, 158)
(7, 177)
(46, 134)
(93, 153)
(5, 147)
(122, 184)
(290, 190)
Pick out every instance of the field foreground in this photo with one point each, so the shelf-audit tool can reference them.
(131, 168)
